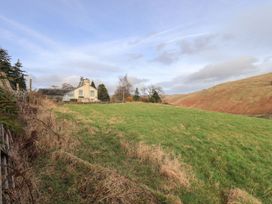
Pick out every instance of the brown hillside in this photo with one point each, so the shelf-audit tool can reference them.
(247, 96)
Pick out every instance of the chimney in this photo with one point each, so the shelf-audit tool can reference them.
(30, 84)
(86, 82)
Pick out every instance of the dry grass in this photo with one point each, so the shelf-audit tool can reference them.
(173, 199)
(115, 120)
(103, 185)
(169, 166)
(251, 96)
(51, 133)
(25, 189)
(238, 196)
(23, 152)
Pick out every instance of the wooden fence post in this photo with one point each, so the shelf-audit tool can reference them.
(1, 179)
(6, 180)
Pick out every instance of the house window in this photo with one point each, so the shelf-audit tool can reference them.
(80, 92)
(92, 93)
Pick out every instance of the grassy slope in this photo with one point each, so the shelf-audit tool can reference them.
(224, 150)
(248, 96)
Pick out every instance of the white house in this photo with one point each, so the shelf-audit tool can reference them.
(85, 92)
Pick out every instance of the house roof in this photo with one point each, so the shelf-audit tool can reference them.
(78, 88)
(81, 84)
(53, 92)
(62, 92)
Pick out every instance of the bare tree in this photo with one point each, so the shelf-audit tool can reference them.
(144, 91)
(123, 89)
(54, 87)
(149, 92)
(151, 89)
(67, 86)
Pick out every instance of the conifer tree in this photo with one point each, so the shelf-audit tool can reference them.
(5, 65)
(18, 75)
(14, 74)
(103, 94)
(155, 97)
(93, 85)
(136, 96)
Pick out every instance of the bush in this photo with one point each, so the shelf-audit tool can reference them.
(155, 98)
(8, 110)
(129, 99)
(144, 99)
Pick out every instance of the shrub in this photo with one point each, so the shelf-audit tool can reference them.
(8, 110)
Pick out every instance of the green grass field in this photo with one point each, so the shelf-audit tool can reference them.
(225, 151)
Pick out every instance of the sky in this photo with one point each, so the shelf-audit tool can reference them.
(179, 45)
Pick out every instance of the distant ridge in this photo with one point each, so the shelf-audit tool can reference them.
(251, 96)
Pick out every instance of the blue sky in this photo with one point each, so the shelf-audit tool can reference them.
(180, 45)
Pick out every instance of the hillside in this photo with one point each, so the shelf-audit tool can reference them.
(251, 96)
(150, 153)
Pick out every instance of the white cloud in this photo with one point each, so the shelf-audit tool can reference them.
(213, 74)
(137, 81)
(168, 57)
(225, 70)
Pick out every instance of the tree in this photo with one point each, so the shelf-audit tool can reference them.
(54, 86)
(5, 65)
(153, 93)
(67, 86)
(81, 81)
(4, 57)
(93, 85)
(136, 96)
(18, 75)
(14, 74)
(155, 98)
(151, 89)
(123, 89)
(103, 94)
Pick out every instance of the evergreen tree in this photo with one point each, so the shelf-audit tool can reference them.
(93, 85)
(136, 96)
(5, 65)
(14, 74)
(103, 94)
(155, 97)
(18, 75)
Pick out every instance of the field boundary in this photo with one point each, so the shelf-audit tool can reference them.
(6, 171)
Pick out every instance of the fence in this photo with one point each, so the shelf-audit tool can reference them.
(6, 177)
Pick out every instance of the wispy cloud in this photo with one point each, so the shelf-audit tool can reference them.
(16, 26)
(224, 70)
(140, 41)
(212, 74)
(168, 57)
